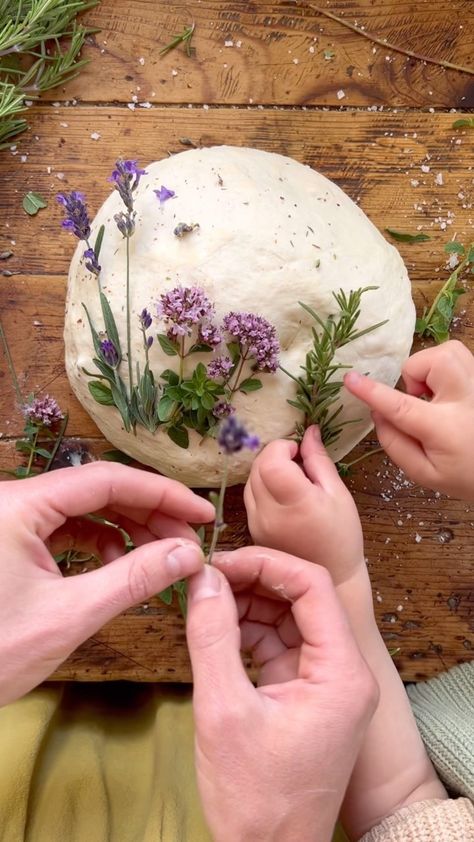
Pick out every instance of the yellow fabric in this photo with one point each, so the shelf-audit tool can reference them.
(100, 763)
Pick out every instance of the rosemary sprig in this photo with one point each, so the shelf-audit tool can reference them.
(184, 37)
(32, 58)
(319, 387)
(436, 320)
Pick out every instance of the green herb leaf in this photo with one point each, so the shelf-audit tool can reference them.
(33, 202)
(180, 436)
(464, 123)
(166, 596)
(101, 393)
(234, 351)
(200, 348)
(166, 408)
(250, 385)
(117, 456)
(98, 241)
(170, 348)
(184, 38)
(21, 472)
(407, 238)
(170, 377)
(454, 248)
(110, 325)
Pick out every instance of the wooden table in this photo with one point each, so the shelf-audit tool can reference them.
(283, 78)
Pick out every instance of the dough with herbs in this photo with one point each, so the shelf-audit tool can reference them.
(271, 233)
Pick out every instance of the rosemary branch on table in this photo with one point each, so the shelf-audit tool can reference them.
(40, 43)
(319, 387)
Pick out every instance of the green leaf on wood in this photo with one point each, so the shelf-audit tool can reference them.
(33, 202)
(402, 237)
(250, 385)
(179, 436)
(101, 393)
(464, 123)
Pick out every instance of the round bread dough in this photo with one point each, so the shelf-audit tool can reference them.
(272, 232)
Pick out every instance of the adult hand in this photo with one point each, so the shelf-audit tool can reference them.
(273, 762)
(429, 440)
(43, 616)
(305, 509)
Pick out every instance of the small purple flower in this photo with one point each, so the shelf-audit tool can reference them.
(109, 353)
(210, 335)
(222, 409)
(44, 411)
(92, 264)
(183, 308)
(184, 228)
(145, 319)
(257, 338)
(77, 218)
(126, 177)
(163, 194)
(125, 223)
(220, 367)
(149, 342)
(233, 436)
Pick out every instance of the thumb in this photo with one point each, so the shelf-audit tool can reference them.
(99, 596)
(317, 463)
(213, 634)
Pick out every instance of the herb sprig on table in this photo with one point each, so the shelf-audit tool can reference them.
(32, 57)
(436, 320)
(319, 387)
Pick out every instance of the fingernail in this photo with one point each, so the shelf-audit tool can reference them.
(184, 559)
(352, 378)
(205, 584)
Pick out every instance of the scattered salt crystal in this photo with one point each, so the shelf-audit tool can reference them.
(28, 103)
(399, 607)
(145, 104)
(418, 538)
(48, 170)
(425, 168)
(95, 136)
(453, 260)
(131, 106)
(379, 598)
(174, 72)
(23, 159)
(56, 104)
(141, 61)
(399, 522)
(341, 94)
(238, 44)
(431, 110)
(60, 175)
(228, 43)
(414, 182)
(296, 61)
(311, 49)
(36, 323)
(439, 179)
(206, 107)
(134, 98)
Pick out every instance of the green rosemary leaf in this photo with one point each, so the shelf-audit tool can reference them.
(117, 456)
(464, 123)
(99, 240)
(166, 408)
(436, 322)
(250, 385)
(179, 436)
(101, 393)
(170, 348)
(184, 37)
(33, 202)
(402, 237)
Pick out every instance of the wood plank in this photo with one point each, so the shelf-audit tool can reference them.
(375, 158)
(276, 54)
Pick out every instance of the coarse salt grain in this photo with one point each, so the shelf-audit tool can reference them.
(95, 136)
(141, 61)
(439, 179)
(418, 538)
(341, 94)
(174, 72)
(228, 43)
(425, 168)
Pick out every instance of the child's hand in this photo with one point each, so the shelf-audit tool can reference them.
(306, 511)
(431, 441)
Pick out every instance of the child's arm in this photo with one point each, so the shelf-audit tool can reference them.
(311, 514)
(431, 441)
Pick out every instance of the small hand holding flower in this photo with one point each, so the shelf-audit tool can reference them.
(304, 509)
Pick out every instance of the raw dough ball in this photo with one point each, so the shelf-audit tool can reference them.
(272, 232)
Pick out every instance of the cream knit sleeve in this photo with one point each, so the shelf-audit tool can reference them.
(427, 821)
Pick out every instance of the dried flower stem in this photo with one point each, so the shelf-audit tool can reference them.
(11, 367)
(129, 327)
(219, 524)
(375, 39)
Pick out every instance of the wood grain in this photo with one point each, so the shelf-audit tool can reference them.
(275, 54)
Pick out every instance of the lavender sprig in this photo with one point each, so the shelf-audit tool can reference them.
(232, 438)
(78, 223)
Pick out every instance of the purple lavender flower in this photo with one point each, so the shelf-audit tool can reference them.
(149, 341)
(126, 177)
(210, 335)
(163, 194)
(220, 367)
(109, 353)
(233, 436)
(257, 338)
(145, 319)
(92, 264)
(77, 218)
(222, 409)
(125, 223)
(183, 308)
(43, 411)
(184, 228)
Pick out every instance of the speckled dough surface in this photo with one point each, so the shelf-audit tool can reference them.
(272, 232)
